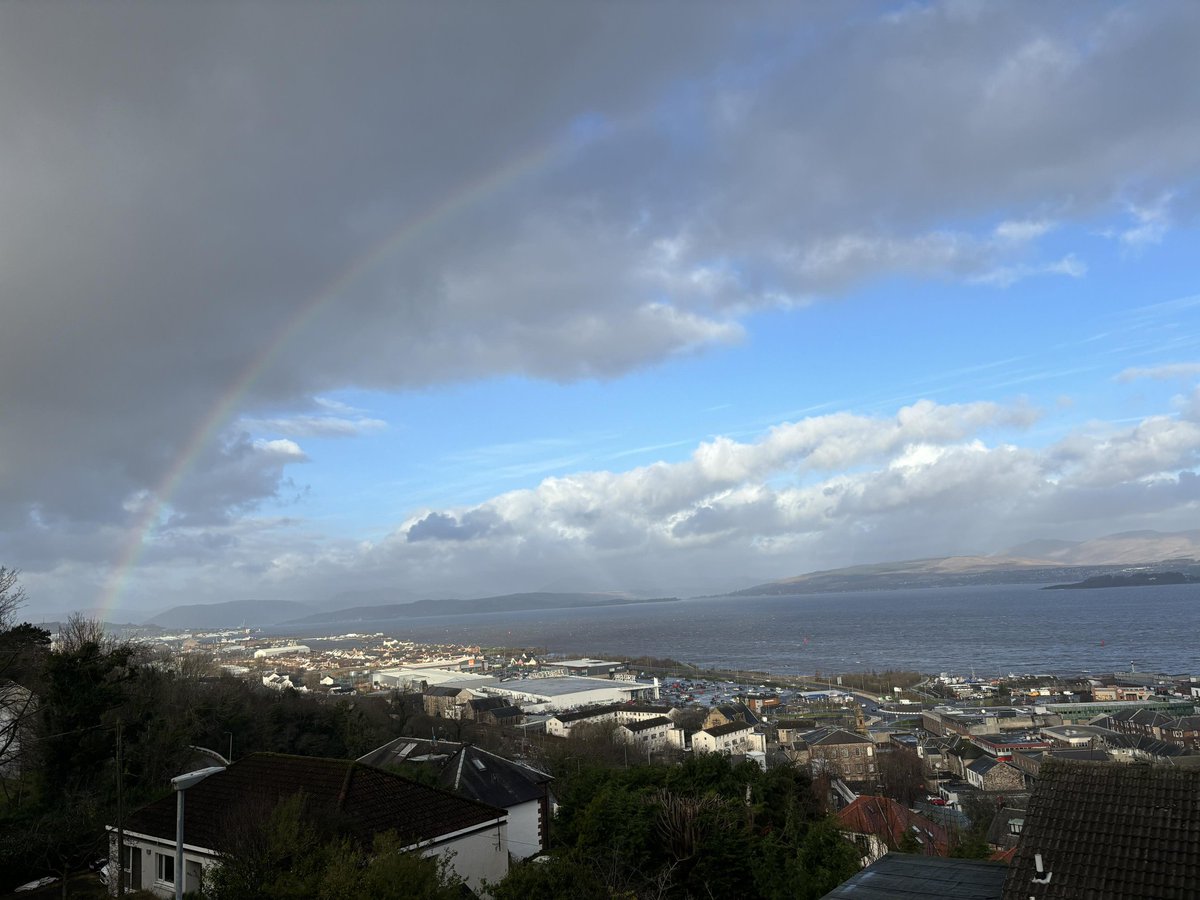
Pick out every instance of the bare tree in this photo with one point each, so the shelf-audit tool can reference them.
(12, 597)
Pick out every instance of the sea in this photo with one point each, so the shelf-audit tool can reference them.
(987, 629)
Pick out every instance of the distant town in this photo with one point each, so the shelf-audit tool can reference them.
(901, 760)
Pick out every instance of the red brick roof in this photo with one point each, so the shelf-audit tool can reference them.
(361, 799)
(890, 821)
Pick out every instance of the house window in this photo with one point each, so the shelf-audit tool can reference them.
(127, 860)
(164, 868)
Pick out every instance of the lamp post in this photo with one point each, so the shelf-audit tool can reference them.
(181, 783)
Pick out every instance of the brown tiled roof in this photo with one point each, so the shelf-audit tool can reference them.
(1112, 831)
(361, 799)
(729, 728)
(890, 821)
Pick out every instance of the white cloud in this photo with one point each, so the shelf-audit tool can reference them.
(1151, 223)
(316, 426)
(1161, 373)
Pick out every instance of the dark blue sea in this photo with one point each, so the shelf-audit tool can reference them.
(994, 629)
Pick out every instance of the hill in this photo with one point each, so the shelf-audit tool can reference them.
(502, 603)
(231, 614)
(1041, 561)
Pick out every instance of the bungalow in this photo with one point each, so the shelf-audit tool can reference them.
(477, 774)
(472, 836)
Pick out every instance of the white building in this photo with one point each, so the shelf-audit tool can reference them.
(292, 650)
(472, 836)
(561, 724)
(736, 737)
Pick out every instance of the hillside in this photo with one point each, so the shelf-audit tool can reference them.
(231, 614)
(503, 603)
(1041, 561)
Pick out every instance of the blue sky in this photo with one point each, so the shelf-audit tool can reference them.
(462, 300)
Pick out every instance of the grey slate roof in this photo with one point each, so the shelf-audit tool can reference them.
(492, 779)
(362, 799)
(1110, 830)
(728, 728)
(647, 724)
(901, 876)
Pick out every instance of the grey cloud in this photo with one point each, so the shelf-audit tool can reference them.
(444, 527)
(215, 212)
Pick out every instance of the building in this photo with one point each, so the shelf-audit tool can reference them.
(901, 876)
(445, 701)
(560, 724)
(730, 712)
(523, 791)
(568, 692)
(1083, 712)
(877, 825)
(656, 733)
(588, 668)
(1109, 830)
(843, 753)
(734, 737)
(368, 801)
(990, 774)
(291, 650)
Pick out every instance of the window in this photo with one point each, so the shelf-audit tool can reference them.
(127, 860)
(164, 869)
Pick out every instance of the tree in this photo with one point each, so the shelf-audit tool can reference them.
(288, 852)
(12, 596)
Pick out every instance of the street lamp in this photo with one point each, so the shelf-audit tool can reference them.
(181, 783)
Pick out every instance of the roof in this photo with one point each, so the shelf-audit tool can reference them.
(825, 736)
(647, 724)
(439, 690)
(983, 765)
(728, 728)
(899, 876)
(492, 779)
(482, 704)
(1000, 833)
(1110, 830)
(363, 799)
(887, 819)
(590, 712)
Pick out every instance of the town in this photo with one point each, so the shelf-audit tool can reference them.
(925, 779)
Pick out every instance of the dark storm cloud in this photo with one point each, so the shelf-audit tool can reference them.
(559, 190)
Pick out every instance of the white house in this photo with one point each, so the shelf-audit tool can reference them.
(469, 771)
(736, 737)
(472, 835)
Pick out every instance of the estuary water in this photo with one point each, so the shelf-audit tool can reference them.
(991, 629)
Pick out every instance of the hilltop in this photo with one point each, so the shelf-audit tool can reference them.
(1041, 561)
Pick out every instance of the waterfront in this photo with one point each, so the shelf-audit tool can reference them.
(994, 629)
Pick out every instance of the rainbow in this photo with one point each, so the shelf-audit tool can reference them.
(435, 215)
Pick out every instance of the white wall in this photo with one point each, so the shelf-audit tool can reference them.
(524, 840)
(476, 857)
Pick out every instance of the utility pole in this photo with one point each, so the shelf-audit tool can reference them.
(120, 817)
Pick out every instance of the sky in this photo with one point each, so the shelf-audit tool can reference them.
(461, 299)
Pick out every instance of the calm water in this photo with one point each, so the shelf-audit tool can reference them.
(993, 629)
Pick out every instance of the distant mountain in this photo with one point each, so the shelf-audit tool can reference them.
(230, 614)
(1037, 561)
(503, 603)
(1134, 579)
